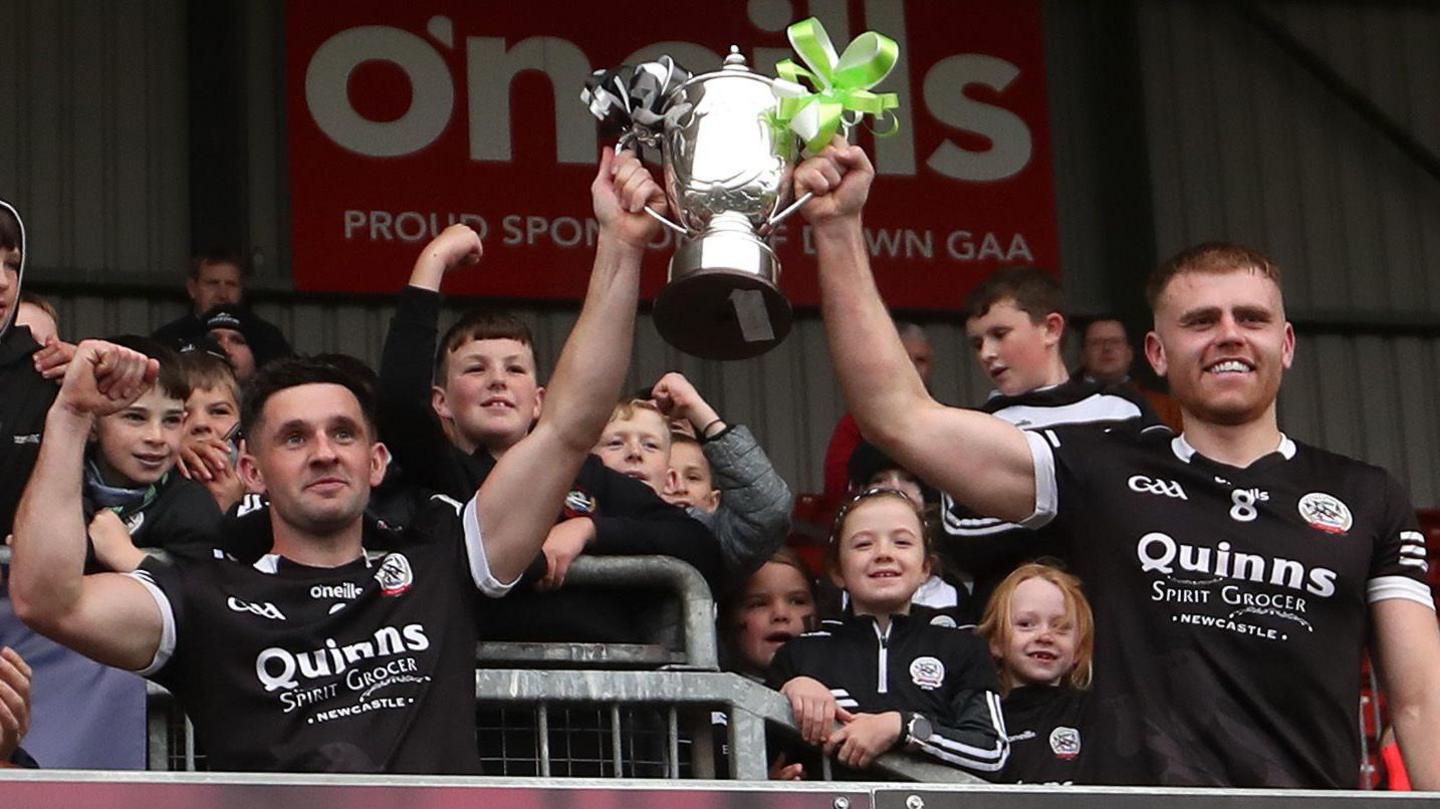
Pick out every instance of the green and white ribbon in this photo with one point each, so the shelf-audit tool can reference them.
(841, 83)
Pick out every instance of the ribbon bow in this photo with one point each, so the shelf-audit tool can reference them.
(842, 83)
(631, 100)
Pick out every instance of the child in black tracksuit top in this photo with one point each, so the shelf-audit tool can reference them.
(1042, 635)
(889, 676)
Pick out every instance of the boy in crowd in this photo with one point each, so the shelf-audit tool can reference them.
(1016, 324)
(449, 428)
(1186, 542)
(209, 446)
(241, 335)
(720, 473)
(133, 498)
(268, 656)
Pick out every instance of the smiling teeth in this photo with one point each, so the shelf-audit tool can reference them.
(1229, 367)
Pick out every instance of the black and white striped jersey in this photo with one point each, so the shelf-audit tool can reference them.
(913, 666)
(366, 667)
(1231, 605)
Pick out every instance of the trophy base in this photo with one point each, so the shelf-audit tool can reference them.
(721, 302)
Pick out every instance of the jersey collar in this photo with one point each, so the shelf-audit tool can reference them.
(1187, 453)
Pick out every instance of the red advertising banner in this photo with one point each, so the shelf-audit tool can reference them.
(405, 117)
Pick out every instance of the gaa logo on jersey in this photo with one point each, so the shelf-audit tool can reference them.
(1065, 742)
(394, 575)
(579, 503)
(1326, 513)
(927, 672)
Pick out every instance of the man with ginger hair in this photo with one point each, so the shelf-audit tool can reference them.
(1235, 573)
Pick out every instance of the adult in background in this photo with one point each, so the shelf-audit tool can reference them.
(217, 279)
(1235, 573)
(1106, 357)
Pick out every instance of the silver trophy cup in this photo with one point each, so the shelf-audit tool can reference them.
(727, 175)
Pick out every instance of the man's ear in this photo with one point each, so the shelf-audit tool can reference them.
(249, 470)
(1287, 351)
(191, 287)
(539, 403)
(379, 462)
(438, 403)
(1155, 353)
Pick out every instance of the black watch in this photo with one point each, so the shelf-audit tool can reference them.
(917, 729)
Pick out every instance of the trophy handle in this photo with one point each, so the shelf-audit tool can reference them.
(790, 210)
(628, 140)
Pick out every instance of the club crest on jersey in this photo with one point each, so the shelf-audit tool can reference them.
(394, 575)
(579, 503)
(943, 620)
(1326, 513)
(1065, 742)
(134, 521)
(927, 672)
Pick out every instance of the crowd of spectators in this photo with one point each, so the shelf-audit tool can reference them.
(947, 618)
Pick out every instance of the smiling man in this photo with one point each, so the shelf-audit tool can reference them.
(316, 658)
(1235, 573)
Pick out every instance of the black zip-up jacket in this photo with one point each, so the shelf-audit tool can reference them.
(1046, 741)
(914, 667)
(630, 519)
(25, 398)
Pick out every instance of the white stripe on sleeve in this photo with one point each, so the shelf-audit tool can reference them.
(475, 552)
(166, 649)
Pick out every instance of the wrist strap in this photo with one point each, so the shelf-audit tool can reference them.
(705, 431)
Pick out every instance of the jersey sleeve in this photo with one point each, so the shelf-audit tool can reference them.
(164, 581)
(1399, 564)
(443, 518)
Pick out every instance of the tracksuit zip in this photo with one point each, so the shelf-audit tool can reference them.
(882, 661)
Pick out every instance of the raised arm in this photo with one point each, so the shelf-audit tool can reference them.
(980, 460)
(408, 424)
(108, 617)
(1408, 645)
(520, 499)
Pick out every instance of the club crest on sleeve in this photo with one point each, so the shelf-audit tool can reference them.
(927, 672)
(580, 503)
(1065, 742)
(1325, 512)
(394, 575)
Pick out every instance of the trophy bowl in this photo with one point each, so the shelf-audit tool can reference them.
(727, 175)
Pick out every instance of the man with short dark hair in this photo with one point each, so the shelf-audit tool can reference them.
(1235, 573)
(1105, 351)
(217, 281)
(315, 658)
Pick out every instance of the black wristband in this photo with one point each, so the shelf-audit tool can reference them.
(705, 431)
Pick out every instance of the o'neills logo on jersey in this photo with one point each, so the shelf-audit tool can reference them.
(1326, 512)
(348, 590)
(394, 575)
(282, 669)
(1160, 553)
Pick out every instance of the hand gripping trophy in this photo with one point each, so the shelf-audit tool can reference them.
(729, 141)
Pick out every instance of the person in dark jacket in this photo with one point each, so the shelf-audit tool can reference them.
(447, 424)
(217, 280)
(891, 677)
(1042, 636)
(25, 391)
